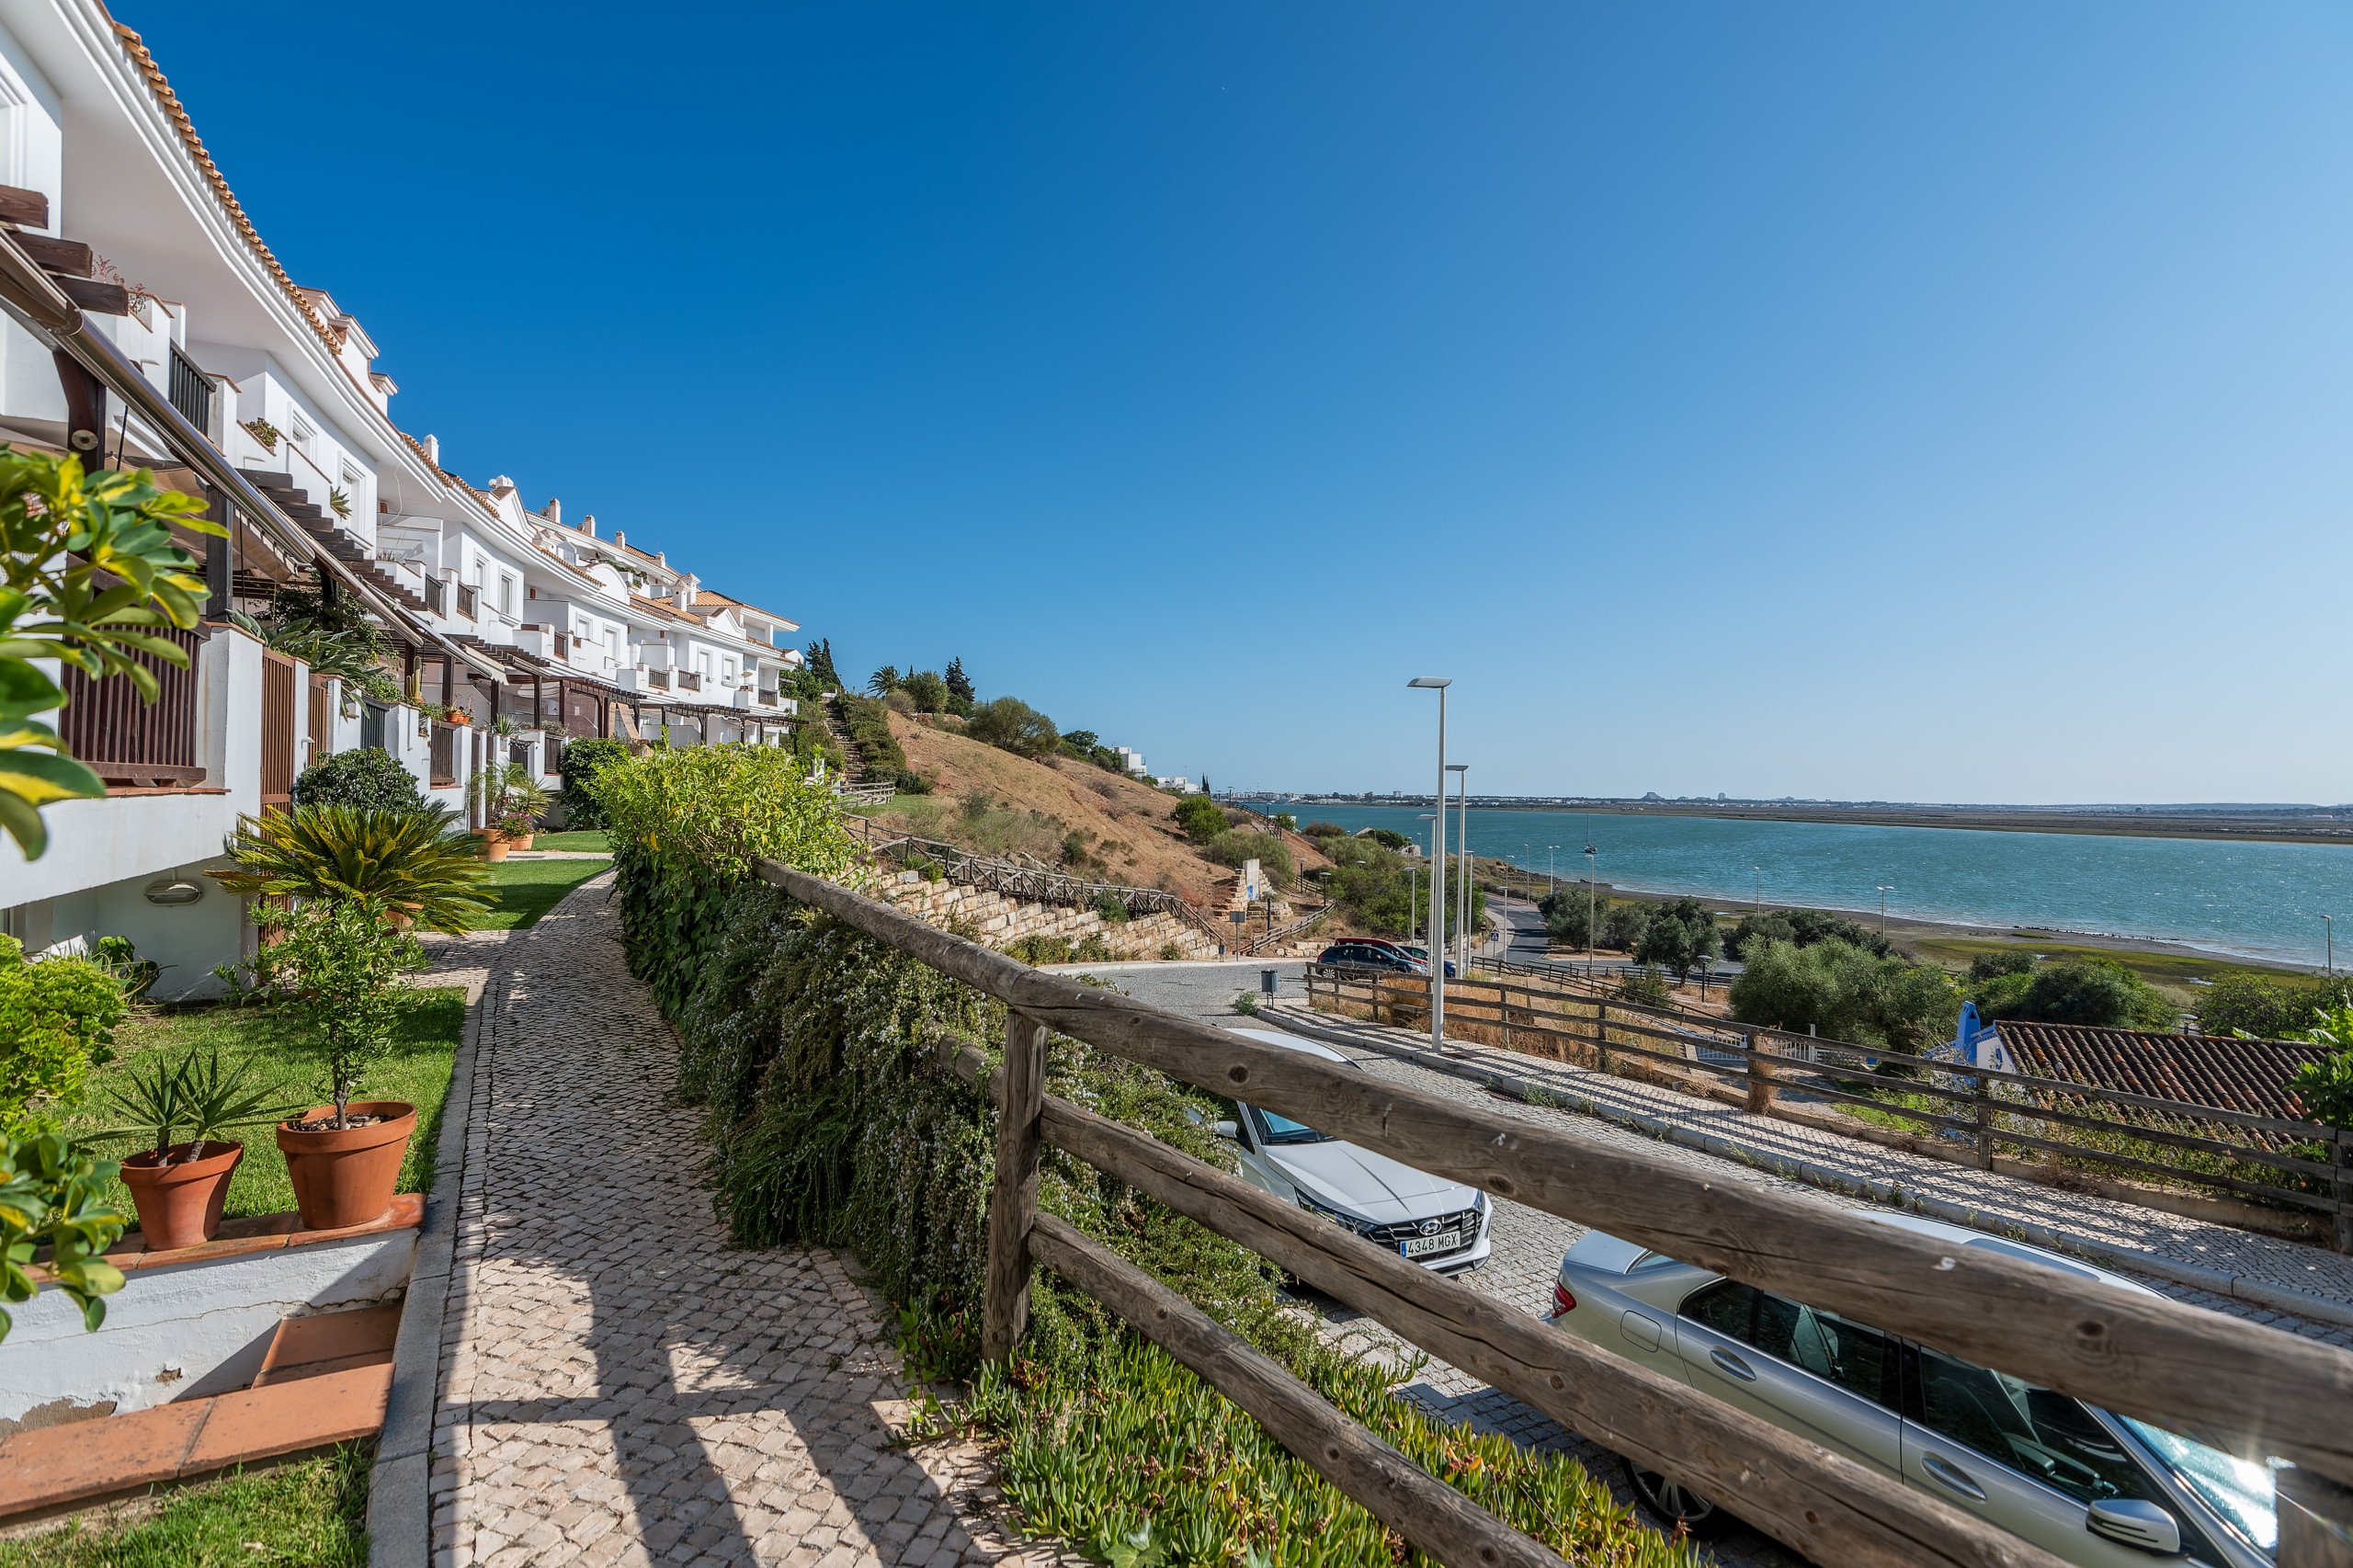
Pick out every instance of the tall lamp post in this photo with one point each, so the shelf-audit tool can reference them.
(1414, 891)
(2330, 927)
(1551, 877)
(1438, 861)
(1883, 906)
(1592, 905)
(1461, 771)
(1760, 888)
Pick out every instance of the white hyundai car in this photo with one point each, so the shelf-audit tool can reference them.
(1440, 1224)
(2091, 1487)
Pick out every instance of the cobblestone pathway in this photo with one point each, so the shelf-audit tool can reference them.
(617, 1386)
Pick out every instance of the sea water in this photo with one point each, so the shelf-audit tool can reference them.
(2262, 901)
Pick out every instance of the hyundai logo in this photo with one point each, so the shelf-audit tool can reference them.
(1429, 1227)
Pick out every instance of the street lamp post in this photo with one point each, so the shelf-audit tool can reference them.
(1437, 860)
(1883, 906)
(1461, 771)
(2330, 927)
(1760, 888)
(1592, 905)
(1414, 891)
(1552, 878)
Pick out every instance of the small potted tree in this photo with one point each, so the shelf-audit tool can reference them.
(178, 1187)
(336, 962)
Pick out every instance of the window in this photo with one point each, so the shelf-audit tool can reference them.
(612, 643)
(2035, 1431)
(505, 594)
(1272, 1128)
(350, 475)
(372, 725)
(300, 430)
(727, 668)
(1857, 1359)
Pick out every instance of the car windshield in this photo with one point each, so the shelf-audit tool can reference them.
(2239, 1490)
(1273, 1128)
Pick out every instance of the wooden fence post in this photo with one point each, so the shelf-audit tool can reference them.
(1984, 1104)
(1601, 1036)
(2344, 1182)
(1013, 1207)
(1761, 1081)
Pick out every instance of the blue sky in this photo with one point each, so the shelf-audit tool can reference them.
(1827, 400)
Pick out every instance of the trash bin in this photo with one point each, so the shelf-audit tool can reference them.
(1267, 981)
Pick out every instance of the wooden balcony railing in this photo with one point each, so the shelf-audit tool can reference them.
(127, 742)
(658, 679)
(444, 765)
(689, 681)
(280, 718)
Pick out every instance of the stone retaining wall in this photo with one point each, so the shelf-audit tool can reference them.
(999, 921)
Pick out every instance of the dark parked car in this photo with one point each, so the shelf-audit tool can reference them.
(1372, 955)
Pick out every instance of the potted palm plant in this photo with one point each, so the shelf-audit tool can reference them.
(511, 802)
(177, 1186)
(416, 866)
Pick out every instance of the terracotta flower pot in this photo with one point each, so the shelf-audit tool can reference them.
(521, 841)
(179, 1204)
(494, 844)
(347, 1177)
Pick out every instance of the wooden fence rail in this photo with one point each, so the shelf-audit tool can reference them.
(1767, 1062)
(2255, 1389)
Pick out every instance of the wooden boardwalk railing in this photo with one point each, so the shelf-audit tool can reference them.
(2253, 1387)
(1980, 1107)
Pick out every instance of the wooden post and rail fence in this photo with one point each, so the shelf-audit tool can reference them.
(2253, 1388)
(1980, 1109)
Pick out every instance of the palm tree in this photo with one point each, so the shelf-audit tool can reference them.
(884, 681)
(417, 863)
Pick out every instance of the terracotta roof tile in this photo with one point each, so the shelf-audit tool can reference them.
(2246, 1075)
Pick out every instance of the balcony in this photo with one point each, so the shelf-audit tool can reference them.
(658, 679)
(129, 742)
(689, 681)
(191, 391)
(436, 595)
(469, 601)
(444, 755)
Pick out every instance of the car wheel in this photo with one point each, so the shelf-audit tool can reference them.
(1676, 1504)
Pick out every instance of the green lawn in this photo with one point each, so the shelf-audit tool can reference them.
(522, 891)
(417, 1071)
(594, 841)
(313, 1512)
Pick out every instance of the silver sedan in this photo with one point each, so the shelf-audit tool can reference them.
(2093, 1488)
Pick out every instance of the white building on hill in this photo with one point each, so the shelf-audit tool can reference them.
(143, 322)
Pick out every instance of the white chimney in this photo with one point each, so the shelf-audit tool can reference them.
(619, 537)
(661, 558)
(500, 483)
(432, 445)
(588, 525)
(554, 511)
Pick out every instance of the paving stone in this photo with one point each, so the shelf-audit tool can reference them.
(618, 1387)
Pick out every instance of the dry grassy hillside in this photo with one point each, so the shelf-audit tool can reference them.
(1061, 811)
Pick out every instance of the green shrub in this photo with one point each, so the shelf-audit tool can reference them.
(1170, 953)
(1200, 819)
(334, 961)
(1678, 938)
(57, 1019)
(367, 779)
(1388, 838)
(1012, 726)
(1803, 928)
(1111, 908)
(1231, 848)
(1645, 987)
(2243, 1003)
(580, 763)
(1847, 993)
(1574, 915)
(1326, 830)
(687, 825)
(866, 723)
(2091, 991)
(418, 863)
(1993, 966)
(927, 691)
(1623, 925)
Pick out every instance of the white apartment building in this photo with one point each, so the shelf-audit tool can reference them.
(144, 323)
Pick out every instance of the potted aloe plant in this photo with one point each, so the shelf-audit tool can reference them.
(179, 1186)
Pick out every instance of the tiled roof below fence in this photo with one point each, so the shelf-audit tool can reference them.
(2247, 1075)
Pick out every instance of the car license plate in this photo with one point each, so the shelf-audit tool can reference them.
(1415, 1246)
